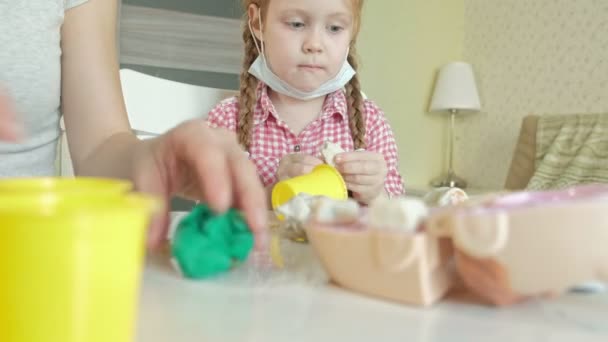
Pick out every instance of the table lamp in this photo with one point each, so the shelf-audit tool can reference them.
(455, 92)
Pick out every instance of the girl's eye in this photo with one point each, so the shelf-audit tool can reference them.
(296, 24)
(335, 28)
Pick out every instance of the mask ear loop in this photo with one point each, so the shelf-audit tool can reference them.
(342, 71)
(255, 40)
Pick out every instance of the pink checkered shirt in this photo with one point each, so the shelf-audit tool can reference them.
(272, 139)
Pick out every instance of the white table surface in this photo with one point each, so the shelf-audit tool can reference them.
(253, 303)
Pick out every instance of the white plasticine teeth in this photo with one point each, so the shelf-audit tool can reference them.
(404, 214)
(326, 210)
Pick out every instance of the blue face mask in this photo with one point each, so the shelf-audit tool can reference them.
(260, 69)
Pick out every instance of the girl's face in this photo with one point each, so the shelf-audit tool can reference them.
(306, 41)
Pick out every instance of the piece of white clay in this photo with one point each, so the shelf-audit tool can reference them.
(297, 209)
(329, 152)
(402, 213)
(327, 210)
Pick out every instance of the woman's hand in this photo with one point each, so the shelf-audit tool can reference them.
(191, 159)
(202, 163)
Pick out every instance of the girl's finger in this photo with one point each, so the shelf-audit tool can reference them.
(346, 157)
(358, 188)
(306, 159)
(299, 169)
(367, 167)
(361, 179)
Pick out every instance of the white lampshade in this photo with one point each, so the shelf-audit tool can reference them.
(455, 89)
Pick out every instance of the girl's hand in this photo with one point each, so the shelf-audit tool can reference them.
(296, 164)
(364, 173)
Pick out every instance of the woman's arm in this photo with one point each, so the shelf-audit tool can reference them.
(101, 142)
(192, 159)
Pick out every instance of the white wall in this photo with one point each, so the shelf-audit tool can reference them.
(402, 44)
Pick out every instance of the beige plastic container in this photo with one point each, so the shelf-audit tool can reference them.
(546, 241)
(404, 267)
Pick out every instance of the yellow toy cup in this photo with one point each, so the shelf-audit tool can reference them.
(324, 180)
(78, 185)
(70, 266)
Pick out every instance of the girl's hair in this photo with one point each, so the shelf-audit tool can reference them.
(247, 89)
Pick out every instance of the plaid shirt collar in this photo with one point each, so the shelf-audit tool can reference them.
(335, 104)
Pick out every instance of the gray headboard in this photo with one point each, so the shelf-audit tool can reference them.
(191, 41)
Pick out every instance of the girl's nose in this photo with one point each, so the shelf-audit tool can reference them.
(313, 44)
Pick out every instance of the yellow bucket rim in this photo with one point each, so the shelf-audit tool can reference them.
(64, 185)
(65, 205)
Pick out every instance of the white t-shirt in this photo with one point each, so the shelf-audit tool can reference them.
(30, 71)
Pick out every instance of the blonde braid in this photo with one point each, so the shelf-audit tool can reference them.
(354, 99)
(247, 96)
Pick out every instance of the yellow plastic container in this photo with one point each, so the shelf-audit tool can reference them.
(324, 180)
(99, 186)
(70, 266)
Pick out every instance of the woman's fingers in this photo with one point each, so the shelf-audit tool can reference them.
(249, 195)
(194, 154)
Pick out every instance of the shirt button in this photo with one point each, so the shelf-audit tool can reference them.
(296, 148)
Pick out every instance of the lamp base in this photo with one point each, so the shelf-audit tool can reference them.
(449, 180)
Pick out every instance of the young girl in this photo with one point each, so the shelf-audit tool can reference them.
(299, 88)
